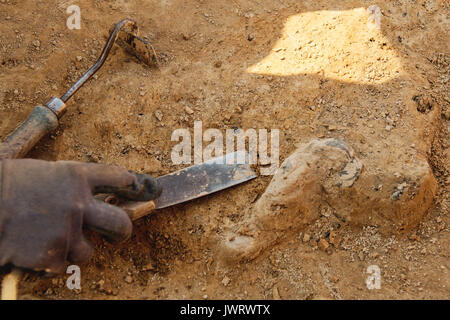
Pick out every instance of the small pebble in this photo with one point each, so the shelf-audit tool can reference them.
(158, 115)
(306, 237)
(189, 110)
(275, 293)
(226, 281)
(323, 244)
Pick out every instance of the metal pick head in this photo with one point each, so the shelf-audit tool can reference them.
(138, 47)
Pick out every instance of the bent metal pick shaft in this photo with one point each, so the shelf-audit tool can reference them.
(45, 119)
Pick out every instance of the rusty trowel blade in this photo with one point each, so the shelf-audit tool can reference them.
(203, 179)
(138, 47)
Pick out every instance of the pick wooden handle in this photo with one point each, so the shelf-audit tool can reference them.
(40, 122)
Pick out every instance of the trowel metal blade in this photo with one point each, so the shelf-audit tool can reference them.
(138, 47)
(205, 178)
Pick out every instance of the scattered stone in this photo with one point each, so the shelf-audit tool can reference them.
(275, 293)
(424, 103)
(398, 191)
(323, 245)
(188, 110)
(36, 43)
(79, 58)
(218, 64)
(331, 128)
(158, 115)
(306, 237)
(128, 279)
(335, 239)
(226, 281)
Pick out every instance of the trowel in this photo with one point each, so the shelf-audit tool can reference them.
(191, 183)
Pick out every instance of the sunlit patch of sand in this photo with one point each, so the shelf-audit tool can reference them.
(340, 45)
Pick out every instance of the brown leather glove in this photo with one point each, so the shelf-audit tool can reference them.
(44, 205)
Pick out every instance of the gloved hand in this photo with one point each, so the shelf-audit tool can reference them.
(44, 205)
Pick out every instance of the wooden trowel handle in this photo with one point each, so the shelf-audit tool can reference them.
(136, 210)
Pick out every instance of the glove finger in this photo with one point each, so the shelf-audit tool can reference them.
(80, 251)
(108, 220)
(106, 175)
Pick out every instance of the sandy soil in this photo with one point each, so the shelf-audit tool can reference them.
(312, 69)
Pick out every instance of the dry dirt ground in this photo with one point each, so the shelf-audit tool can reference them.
(312, 69)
